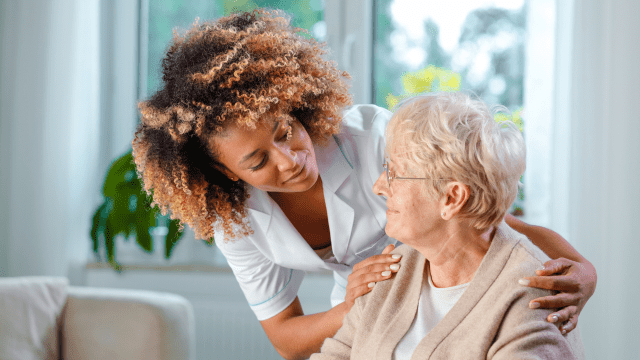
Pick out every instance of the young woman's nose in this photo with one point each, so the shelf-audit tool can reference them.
(286, 158)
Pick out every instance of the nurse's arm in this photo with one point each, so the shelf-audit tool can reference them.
(569, 273)
(296, 335)
(554, 245)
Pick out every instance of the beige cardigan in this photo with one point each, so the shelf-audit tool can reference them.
(491, 320)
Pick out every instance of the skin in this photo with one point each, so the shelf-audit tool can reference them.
(452, 246)
(287, 169)
(264, 158)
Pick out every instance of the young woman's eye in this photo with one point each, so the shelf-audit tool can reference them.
(261, 165)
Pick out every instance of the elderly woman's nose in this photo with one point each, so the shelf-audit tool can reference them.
(380, 187)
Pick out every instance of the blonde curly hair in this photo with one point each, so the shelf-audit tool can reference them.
(236, 70)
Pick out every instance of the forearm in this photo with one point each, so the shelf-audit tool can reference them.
(554, 245)
(297, 336)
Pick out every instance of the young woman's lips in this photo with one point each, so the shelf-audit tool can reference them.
(296, 175)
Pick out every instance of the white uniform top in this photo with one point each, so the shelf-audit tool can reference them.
(270, 263)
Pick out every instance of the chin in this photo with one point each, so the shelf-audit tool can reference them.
(311, 181)
(389, 231)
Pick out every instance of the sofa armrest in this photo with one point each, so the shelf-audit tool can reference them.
(101, 323)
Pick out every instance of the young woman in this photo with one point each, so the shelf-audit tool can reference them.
(250, 139)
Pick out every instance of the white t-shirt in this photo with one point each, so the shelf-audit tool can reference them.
(434, 304)
(270, 264)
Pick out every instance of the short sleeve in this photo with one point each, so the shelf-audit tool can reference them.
(268, 287)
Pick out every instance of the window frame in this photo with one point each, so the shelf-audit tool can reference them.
(350, 27)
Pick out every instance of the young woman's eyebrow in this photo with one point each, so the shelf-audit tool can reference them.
(251, 154)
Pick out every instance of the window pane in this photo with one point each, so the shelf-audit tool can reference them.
(167, 15)
(430, 45)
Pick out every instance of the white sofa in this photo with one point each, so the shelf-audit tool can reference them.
(45, 318)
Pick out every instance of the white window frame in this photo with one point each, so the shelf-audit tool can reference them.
(350, 38)
(547, 117)
(119, 82)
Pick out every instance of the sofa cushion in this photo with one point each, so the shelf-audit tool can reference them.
(126, 324)
(30, 314)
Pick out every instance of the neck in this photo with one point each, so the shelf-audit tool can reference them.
(455, 253)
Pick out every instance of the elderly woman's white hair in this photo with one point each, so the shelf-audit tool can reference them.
(453, 137)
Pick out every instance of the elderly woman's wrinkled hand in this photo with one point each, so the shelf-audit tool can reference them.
(575, 282)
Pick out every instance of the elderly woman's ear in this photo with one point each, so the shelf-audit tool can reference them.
(456, 195)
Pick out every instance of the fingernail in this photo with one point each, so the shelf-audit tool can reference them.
(386, 273)
(554, 318)
(371, 284)
(541, 268)
(564, 331)
(534, 305)
(395, 267)
(396, 256)
(524, 282)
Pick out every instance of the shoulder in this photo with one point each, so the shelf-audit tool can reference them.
(525, 257)
(396, 288)
(363, 119)
(362, 135)
(522, 260)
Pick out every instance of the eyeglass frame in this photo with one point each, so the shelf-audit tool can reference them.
(385, 165)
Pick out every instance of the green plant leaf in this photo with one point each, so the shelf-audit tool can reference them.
(173, 236)
(97, 228)
(126, 211)
(119, 172)
(143, 237)
(109, 237)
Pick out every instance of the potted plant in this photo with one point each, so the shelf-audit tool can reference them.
(127, 211)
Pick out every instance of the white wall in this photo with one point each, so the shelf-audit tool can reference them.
(49, 123)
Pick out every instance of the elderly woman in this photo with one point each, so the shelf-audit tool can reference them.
(451, 174)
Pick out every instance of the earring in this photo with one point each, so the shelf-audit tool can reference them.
(443, 214)
(289, 133)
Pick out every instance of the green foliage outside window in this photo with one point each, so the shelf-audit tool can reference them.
(165, 16)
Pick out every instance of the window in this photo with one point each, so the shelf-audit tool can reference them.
(166, 15)
(477, 46)
(397, 48)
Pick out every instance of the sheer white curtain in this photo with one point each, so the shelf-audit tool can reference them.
(589, 189)
(49, 133)
(604, 171)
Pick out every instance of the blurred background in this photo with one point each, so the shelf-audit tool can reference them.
(72, 71)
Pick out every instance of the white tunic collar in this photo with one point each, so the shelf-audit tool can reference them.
(334, 168)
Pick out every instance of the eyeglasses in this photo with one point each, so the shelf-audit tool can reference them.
(392, 176)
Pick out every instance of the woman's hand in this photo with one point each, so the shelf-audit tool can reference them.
(575, 281)
(368, 272)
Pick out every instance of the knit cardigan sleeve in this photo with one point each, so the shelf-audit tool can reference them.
(525, 334)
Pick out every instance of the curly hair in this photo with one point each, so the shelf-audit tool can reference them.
(234, 70)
